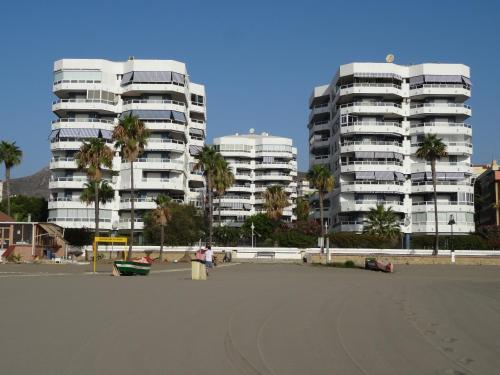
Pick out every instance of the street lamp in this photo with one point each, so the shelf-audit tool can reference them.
(451, 222)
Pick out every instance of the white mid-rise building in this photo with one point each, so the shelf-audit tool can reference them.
(366, 126)
(92, 95)
(257, 161)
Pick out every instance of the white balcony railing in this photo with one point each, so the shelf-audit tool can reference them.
(151, 101)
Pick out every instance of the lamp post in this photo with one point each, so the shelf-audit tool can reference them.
(451, 222)
(253, 227)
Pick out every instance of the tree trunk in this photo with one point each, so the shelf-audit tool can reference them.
(7, 188)
(436, 236)
(321, 219)
(210, 210)
(162, 239)
(220, 199)
(96, 214)
(132, 212)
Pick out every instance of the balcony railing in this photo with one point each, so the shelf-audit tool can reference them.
(370, 104)
(155, 160)
(151, 101)
(444, 203)
(102, 101)
(76, 81)
(373, 123)
(443, 124)
(75, 119)
(461, 144)
(370, 84)
(372, 162)
(433, 105)
(62, 158)
(429, 183)
(165, 140)
(370, 182)
(373, 143)
(439, 86)
(76, 179)
(376, 202)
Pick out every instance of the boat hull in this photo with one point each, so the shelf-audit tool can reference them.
(125, 268)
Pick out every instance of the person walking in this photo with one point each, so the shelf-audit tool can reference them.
(209, 255)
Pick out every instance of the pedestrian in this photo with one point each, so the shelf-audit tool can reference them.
(209, 258)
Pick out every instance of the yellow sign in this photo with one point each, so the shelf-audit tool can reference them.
(111, 240)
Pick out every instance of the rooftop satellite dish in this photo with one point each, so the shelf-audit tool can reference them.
(389, 58)
(252, 130)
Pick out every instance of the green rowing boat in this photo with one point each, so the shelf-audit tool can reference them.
(125, 268)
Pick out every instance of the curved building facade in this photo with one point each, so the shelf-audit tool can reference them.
(92, 95)
(366, 127)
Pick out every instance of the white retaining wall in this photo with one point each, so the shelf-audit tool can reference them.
(289, 253)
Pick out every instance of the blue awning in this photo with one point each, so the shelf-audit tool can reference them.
(177, 77)
(146, 114)
(127, 77)
(152, 77)
(442, 79)
(194, 150)
(179, 116)
(106, 134)
(54, 134)
(467, 81)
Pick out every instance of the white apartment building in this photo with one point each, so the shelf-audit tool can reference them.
(366, 126)
(304, 188)
(92, 95)
(257, 161)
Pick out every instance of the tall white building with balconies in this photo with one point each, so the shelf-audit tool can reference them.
(366, 126)
(257, 161)
(92, 95)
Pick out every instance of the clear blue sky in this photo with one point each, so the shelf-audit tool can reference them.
(258, 59)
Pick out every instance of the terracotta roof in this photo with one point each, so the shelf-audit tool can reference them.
(5, 217)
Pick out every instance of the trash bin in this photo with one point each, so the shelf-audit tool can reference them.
(198, 271)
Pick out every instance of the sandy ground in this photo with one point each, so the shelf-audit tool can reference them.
(250, 319)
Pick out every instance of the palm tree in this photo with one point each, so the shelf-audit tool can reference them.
(92, 157)
(208, 160)
(382, 222)
(11, 156)
(223, 180)
(105, 192)
(161, 216)
(431, 150)
(320, 179)
(275, 200)
(131, 136)
(303, 209)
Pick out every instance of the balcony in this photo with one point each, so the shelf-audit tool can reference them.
(147, 203)
(273, 177)
(88, 123)
(441, 128)
(320, 159)
(193, 107)
(443, 89)
(155, 164)
(442, 187)
(380, 108)
(134, 104)
(396, 187)
(349, 226)
(240, 188)
(443, 227)
(367, 205)
(441, 166)
(453, 148)
(379, 89)
(352, 146)
(165, 145)
(369, 165)
(63, 163)
(319, 125)
(78, 222)
(373, 128)
(62, 106)
(75, 202)
(67, 182)
(429, 109)
(124, 224)
(242, 176)
(319, 142)
(76, 85)
(154, 184)
(443, 206)
(135, 89)
(318, 109)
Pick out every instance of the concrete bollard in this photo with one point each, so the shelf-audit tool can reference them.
(198, 271)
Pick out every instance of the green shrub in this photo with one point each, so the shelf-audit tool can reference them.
(294, 238)
(349, 240)
(349, 264)
(460, 242)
